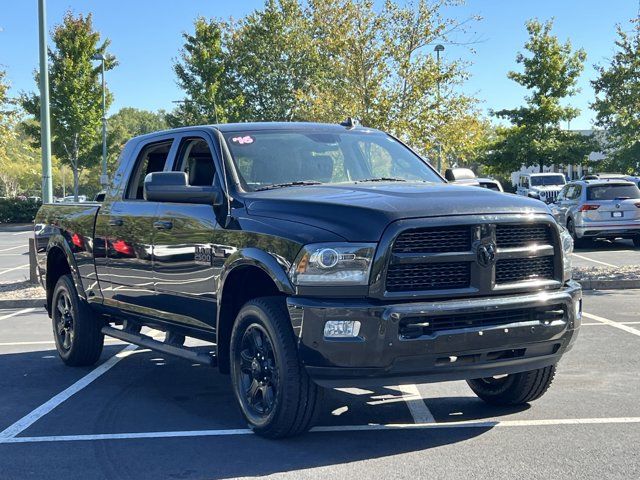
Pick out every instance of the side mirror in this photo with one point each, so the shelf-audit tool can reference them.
(173, 187)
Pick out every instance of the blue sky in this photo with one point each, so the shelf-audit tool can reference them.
(146, 37)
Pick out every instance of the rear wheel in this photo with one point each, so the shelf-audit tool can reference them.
(515, 389)
(77, 332)
(275, 394)
(577, 242)
(636, 241)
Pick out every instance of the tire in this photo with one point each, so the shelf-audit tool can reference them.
(76, 330)
(273, 390)
(636, 242)
(515, 389)
(577, 242)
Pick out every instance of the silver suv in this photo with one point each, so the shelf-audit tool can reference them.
(543, 186)
(599, 209)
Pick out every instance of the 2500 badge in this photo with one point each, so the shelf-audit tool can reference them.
(203, 255)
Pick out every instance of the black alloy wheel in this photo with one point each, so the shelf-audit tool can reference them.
(274, 392)
(258, 370)
(64, 321)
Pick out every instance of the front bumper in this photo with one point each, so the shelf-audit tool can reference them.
(379, 355)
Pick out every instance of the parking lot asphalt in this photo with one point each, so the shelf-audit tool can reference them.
(140, 414)
(14, 252)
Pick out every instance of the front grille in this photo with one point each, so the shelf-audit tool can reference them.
(436, 276)
(418, 326)
(522, 269)
(434, 240)
(436, 260)
(511, 236)
(552, 196)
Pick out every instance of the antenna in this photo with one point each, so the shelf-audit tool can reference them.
(227, 220)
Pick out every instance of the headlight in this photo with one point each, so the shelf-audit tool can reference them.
(333, 264)
(567, 250)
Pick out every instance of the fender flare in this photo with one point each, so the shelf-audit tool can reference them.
(275, 268)
(58, 241)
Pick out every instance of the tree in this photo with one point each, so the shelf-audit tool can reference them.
(203, 72)
(550, 74)
(75, 93)
(273, 60)
(128, 122)
(377, 66)
(617, 103)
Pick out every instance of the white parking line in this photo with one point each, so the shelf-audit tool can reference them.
(335, 428)
(594, 261)
(611, 323)
(32, 417)
(22, 232)
(14, 248)
(599, 324)
(14, 268)
(419, 410)
(19, 312)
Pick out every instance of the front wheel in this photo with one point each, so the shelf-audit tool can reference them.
(275, 394)
(515, 389)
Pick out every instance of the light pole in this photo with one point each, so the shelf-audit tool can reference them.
(439, 48)
(45, 129)
(104, 180)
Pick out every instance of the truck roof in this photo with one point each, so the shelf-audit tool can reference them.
(263, 126)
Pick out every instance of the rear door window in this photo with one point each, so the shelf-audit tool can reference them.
(196, 160)
(612, 192)
(152, 158)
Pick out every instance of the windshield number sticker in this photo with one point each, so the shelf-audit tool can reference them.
(247, 139)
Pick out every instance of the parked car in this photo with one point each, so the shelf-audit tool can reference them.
(465, 176)
(543, 186)
(311, 256)
(593, 209)
(71, 199)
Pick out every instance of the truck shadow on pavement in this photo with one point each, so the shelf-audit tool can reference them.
(148, 393)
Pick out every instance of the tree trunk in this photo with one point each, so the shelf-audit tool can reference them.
(76, 183)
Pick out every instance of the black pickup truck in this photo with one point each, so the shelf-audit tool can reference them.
(310, 256)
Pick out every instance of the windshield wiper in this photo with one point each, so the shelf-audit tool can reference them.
(287, 184)
(381, 179)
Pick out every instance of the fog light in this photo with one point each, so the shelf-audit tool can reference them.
(341, 329)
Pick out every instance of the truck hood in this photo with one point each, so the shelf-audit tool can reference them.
(547, 188)
(361, 212)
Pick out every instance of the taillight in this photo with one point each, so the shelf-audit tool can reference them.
(586, 208)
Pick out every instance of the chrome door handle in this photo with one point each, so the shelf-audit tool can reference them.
(163, 225)
(115, 222)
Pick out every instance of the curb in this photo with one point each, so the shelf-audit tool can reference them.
(609, 284)
(23, 303)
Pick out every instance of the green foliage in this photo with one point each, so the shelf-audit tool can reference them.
(203, 72)
(617, 104)
(550, 73)
(17, 210)
(324, 60)
(128, 122)
(75, 93)
(274, 60)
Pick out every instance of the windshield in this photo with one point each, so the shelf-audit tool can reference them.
(272, 158)
(612, 192)
(548, 180)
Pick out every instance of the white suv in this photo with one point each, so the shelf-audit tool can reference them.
(543, 186)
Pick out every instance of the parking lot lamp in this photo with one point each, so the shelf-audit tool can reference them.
(45, 128)
(439, 48)
(103, 178)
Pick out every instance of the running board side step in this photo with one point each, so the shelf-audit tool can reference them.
(148, 342)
